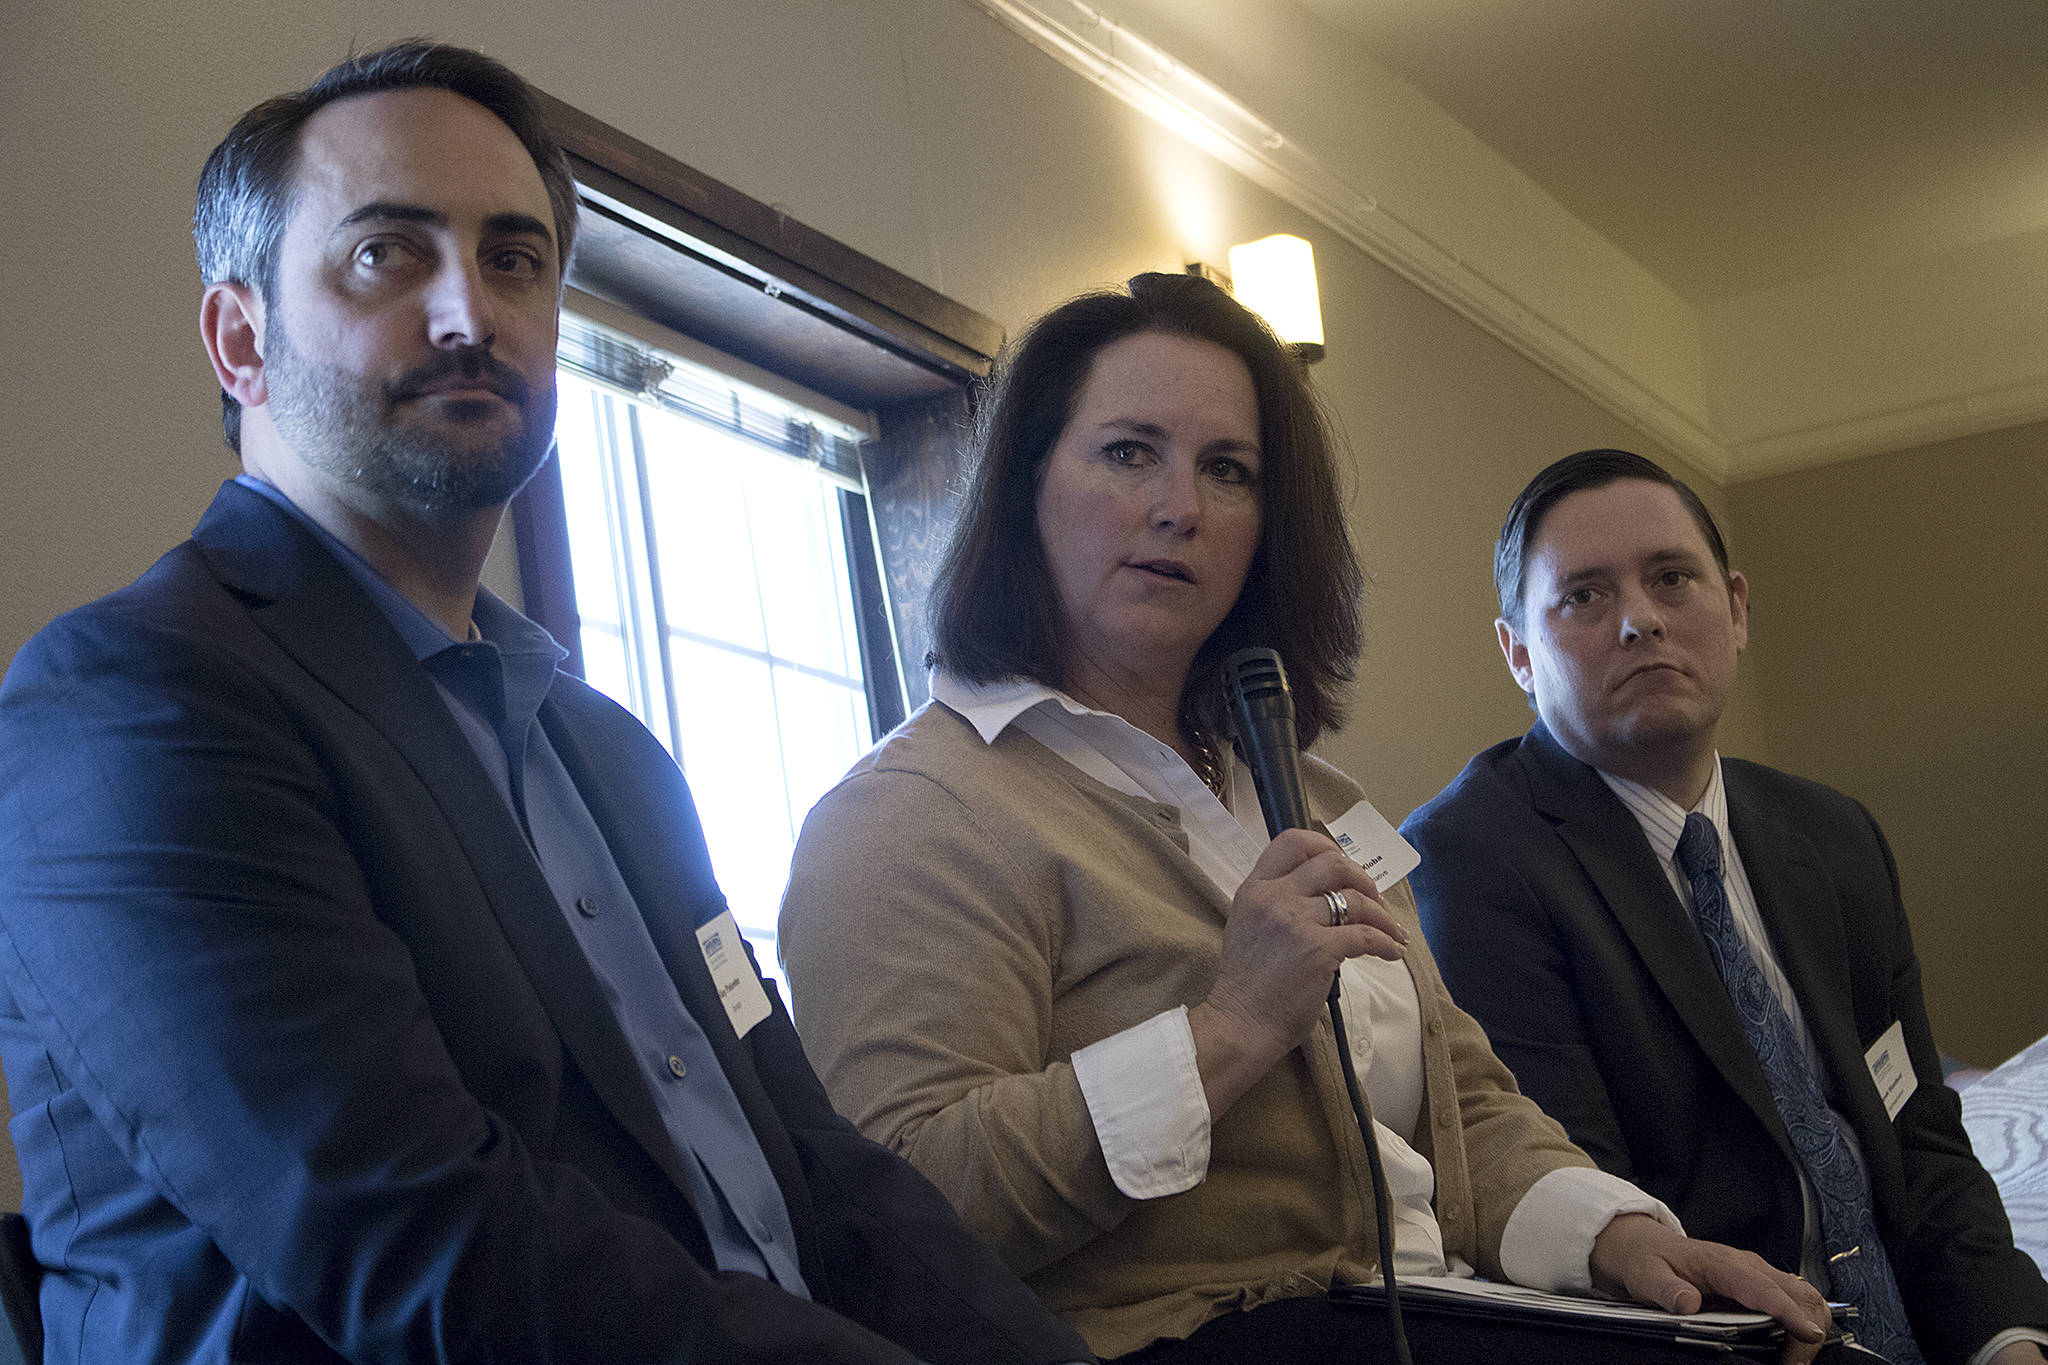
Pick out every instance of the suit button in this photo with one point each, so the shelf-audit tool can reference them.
(676, 1067)
(587, 905)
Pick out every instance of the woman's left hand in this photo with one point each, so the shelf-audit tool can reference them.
(1637, 1256)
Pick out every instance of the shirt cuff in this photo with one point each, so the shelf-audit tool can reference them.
(1145, 1096)
(2007, 1338)
(1548, 1242)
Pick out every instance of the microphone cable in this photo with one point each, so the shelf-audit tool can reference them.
(1255, 684)
(1382, 1220)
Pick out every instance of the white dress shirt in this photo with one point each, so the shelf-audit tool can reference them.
(1663, 820)
(1143, 1089)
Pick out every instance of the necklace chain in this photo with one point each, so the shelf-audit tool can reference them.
(1208, 764)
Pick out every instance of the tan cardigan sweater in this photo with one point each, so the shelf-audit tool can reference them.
(962, 918)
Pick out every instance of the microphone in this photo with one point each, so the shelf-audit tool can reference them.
(1262, 705)
(1255, 684)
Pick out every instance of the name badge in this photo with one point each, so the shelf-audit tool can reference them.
(1891, 1070)
(1374, 845)
(739, 990)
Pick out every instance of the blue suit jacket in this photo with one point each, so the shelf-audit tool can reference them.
(1555, 926)
(305, 1063)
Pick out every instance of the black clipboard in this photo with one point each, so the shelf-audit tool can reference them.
(1468, 1317)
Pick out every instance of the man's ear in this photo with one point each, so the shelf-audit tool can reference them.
(1738, 606)
(231, 329)
(1516, 653)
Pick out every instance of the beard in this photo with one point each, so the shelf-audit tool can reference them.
(456, 459)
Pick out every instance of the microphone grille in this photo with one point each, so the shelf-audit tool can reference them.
(1254, 674)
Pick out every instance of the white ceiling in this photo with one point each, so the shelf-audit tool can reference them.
(1736, 145)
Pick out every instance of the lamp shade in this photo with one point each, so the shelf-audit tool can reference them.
(1275, 277)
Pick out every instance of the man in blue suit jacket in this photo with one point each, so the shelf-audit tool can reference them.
(358, 967)
(1551, 895)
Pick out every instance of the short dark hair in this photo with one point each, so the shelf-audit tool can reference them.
(245, 191)
(995, 612)
(1573, 474)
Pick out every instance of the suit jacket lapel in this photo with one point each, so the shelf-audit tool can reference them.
(1610, 846)
(307, 602)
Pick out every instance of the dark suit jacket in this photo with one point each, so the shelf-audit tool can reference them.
(305, 1063)
(1555, 925)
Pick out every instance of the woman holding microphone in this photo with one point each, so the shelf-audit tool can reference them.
(1039, 942)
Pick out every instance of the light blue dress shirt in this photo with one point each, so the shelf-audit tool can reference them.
(494, 687)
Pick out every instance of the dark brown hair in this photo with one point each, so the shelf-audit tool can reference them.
(995, 613)
(1574, 474)
(245, 191)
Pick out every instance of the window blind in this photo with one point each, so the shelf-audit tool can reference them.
(605, 356)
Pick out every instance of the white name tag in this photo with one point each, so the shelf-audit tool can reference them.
(1375, 845)
(739, 990)
(1891, 1070)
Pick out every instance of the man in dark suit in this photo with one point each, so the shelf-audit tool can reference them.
(1701, 966)
(367, 994)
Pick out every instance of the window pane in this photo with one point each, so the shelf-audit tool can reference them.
(731, 750)
(579, 441)
(699, 482)
(604, 660)
(824, 727)
(752, 629)
(795, 517)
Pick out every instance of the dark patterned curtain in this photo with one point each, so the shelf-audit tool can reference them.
(916, 471)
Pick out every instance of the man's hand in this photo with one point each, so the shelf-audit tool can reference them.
(1637, 1256)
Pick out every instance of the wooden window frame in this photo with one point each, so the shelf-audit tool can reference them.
(672, 244)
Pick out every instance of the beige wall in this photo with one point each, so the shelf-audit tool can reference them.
(1899, 637)
(924, 134)
(916, 130)
(1446, 425)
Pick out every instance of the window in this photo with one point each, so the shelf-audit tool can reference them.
(722, 488)
(708, 529)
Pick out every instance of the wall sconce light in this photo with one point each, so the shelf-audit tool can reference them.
(1275, 277)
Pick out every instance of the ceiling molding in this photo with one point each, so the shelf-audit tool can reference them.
(1920, 424)
(1159, 86)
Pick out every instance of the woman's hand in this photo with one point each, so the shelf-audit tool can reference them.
(2019, 1353)
(1637, 1256)
(1279, 952)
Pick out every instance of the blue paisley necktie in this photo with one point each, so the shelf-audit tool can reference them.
(1861, 1272)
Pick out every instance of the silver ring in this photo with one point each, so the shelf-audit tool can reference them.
(1340, 908)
